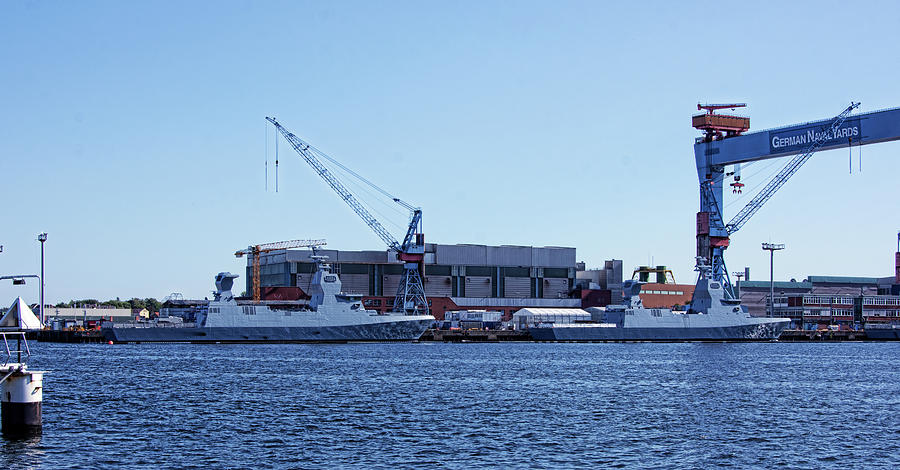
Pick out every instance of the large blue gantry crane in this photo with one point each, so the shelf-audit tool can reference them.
(724, 143)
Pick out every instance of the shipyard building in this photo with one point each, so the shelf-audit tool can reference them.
(819, 302)
(496, 278)
(471, 277)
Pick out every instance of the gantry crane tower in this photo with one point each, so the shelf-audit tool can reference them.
(255, 250)
(410, 297)
(724, 144)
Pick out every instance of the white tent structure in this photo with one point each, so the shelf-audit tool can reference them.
(528, 317)
(19, 317)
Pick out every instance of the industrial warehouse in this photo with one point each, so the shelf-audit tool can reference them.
(506, 279)
(457, 277)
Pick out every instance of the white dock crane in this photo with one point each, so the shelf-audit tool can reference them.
(410, 297)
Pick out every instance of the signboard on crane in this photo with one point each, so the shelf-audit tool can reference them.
(797, 139)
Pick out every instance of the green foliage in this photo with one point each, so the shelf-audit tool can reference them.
(149, 303)
(152, 304)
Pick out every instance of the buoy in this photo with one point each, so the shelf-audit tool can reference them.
(22, 389)
(110, 342)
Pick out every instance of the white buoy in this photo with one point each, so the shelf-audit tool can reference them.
(21, 390)
(22, 394)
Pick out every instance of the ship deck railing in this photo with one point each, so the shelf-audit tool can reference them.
(135, 324)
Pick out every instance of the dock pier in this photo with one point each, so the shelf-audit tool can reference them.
(68, 336)
(475, 336)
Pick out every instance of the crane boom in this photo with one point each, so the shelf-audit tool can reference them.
(800, 141)
(778, 181)
(410, 296)
(308, 152)
(710, 107)
(265, 247)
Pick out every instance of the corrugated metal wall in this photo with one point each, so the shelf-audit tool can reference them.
(478, 286)
(303, 255)
(614, 276)
(517, 287)
(391, 282)
(438, 286)
(280, 268)
(508, 256)
(303, 281)
(355, 283)
(471, 255)
(350, 283)
(274, 280)
(555, 288)
(461, 254)
(371, 257)
(268, 258)
(553, 257)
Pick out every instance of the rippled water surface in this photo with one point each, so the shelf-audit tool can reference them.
(460, 405)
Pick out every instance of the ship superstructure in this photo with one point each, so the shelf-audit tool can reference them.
(712, 316)
(329, 316)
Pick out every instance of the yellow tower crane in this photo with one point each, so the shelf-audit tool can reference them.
(255, 250)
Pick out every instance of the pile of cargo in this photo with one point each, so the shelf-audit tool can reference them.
(471, 320)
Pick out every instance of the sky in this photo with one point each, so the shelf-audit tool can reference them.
(133, 133)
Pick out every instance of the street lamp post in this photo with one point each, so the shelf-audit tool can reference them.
(42, 237)
(772, 248)
(19, 279)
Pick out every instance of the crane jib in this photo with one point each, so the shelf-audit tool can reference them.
(798, 139)
(858, 129)
(410, 296)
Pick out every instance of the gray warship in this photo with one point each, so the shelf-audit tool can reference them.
(883, 331)
(711, 317)
(329, 317)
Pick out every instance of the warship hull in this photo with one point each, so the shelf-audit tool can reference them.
(883, 332)
(763, 331)
(712, 317)
(329, 317)
(393, 330)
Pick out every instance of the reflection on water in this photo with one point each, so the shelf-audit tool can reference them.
(18, 452)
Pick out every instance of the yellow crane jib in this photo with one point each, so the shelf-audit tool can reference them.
(255, 250)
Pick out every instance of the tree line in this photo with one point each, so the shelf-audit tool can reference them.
(149, 303)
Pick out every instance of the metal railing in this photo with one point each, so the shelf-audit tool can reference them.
(19, 337)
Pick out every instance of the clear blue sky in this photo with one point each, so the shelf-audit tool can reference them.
(134, 134)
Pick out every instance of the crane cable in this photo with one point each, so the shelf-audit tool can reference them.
(267, 157)
(276, 163)
(763, 181)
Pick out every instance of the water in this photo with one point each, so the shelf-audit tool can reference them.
(463, 405)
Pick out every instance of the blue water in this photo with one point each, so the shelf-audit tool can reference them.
(461, 405)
